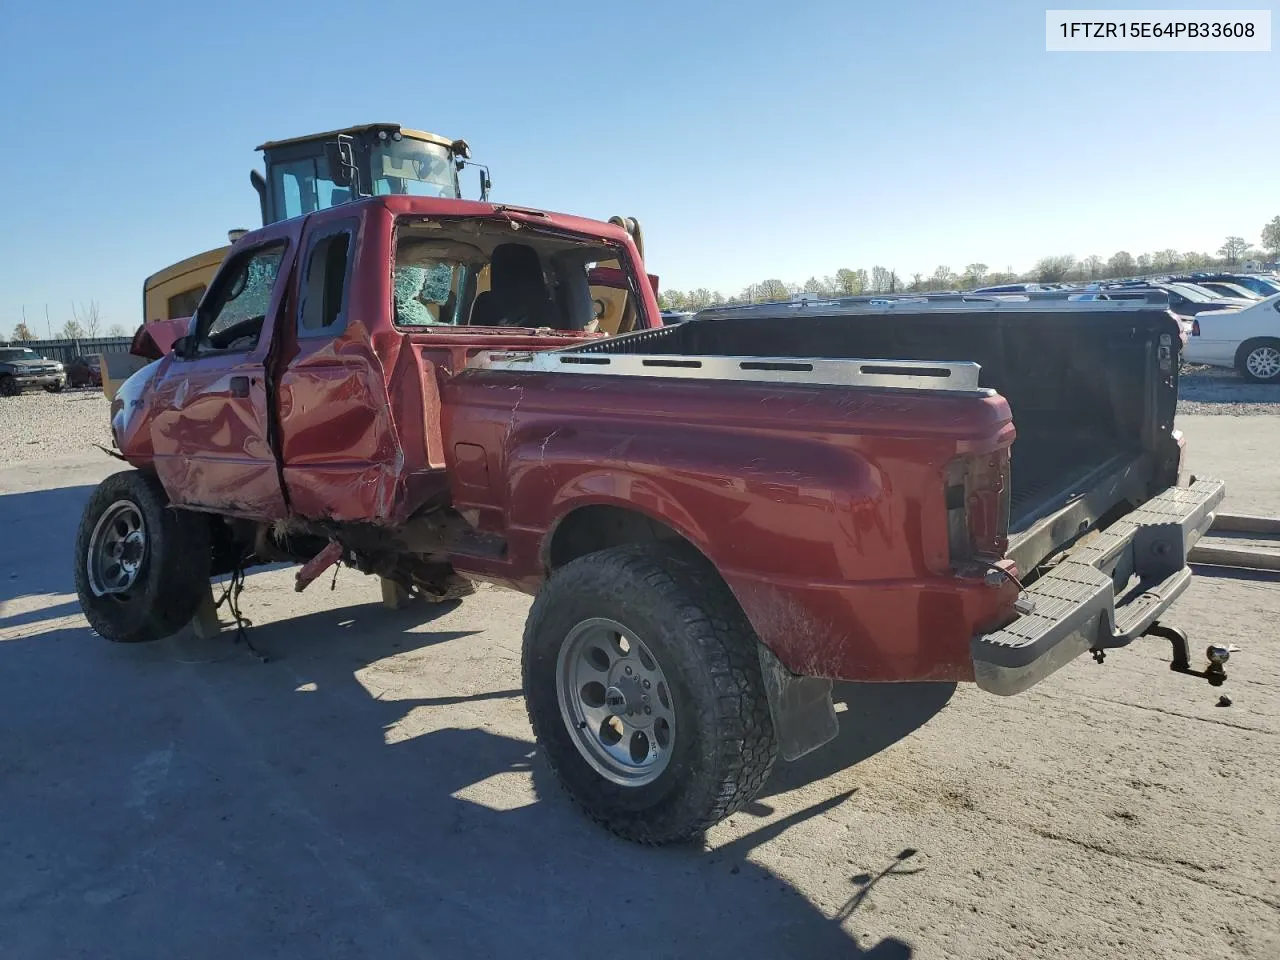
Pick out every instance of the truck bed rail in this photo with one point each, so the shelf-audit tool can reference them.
(953, 376)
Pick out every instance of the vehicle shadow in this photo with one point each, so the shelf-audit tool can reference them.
(371, 790)
(39, 534)
(877, 715)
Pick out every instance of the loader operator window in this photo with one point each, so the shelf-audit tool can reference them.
(233, 316)
(305, 186)
(413, 167)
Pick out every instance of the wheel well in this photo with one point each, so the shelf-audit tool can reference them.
(599, 527)
(1243, 350)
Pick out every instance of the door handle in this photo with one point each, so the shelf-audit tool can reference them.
(239, 386)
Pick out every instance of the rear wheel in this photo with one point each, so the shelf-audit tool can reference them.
(1259, 360)
(142, 567)
(642, 680)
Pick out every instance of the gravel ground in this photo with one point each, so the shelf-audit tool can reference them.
(373, 790)
(1213, 390)
(40, 426)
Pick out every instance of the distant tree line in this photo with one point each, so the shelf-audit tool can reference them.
(85, 323)
(1052, 269)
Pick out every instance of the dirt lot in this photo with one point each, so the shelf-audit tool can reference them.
(374, 791)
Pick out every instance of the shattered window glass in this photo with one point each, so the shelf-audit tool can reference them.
(424, 293)
(244, 300)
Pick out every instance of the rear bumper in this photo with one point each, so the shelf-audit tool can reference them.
(1075, 607)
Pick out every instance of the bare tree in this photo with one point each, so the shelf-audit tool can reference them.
(1232, 249)
(117, 330)
(88, 316)
(974, 274)
(1054, 269)
(881, 280)
(71, 330)
(1092, 265)
(698, 299)
(1120, 264)
(22, 333)
(1271, 237)
(772, 290)
(942, 279)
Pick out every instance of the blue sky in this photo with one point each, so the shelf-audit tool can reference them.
(751, 139)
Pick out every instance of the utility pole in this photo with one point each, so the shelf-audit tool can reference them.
(48, 327)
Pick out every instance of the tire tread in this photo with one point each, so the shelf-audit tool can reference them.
(741, 725)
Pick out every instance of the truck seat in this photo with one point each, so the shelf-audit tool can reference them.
(517, 294)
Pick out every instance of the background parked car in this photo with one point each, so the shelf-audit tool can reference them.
(85, 371)
(1264, 285)
(1189, 301)
(1246, 340)
(22, 367)
(1225, 288)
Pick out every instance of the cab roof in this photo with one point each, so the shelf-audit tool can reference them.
(356, 131)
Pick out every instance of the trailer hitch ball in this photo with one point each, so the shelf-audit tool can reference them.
(1215, 673)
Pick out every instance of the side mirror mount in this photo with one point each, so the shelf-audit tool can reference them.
(485, 183)
(340, 155)
(181, 346)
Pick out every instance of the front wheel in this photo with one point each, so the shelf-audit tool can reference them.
(1259, 361)
(642, 681)
(53, 387)
(9, 386)
(141, 567)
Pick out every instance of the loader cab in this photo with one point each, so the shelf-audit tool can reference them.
(311, 173)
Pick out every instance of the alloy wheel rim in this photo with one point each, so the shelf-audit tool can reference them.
(616, 702)
(117, 550)
(1263, 362)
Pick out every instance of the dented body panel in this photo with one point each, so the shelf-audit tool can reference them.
(819, 507)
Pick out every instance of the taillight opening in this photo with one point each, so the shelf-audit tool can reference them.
(977, 503)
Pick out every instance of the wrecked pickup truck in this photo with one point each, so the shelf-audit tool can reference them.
(717, 518)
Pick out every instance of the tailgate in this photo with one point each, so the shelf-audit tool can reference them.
(1105, 594)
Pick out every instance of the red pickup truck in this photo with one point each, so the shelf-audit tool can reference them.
(717, 517)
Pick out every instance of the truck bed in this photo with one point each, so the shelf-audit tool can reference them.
(1092, 406)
